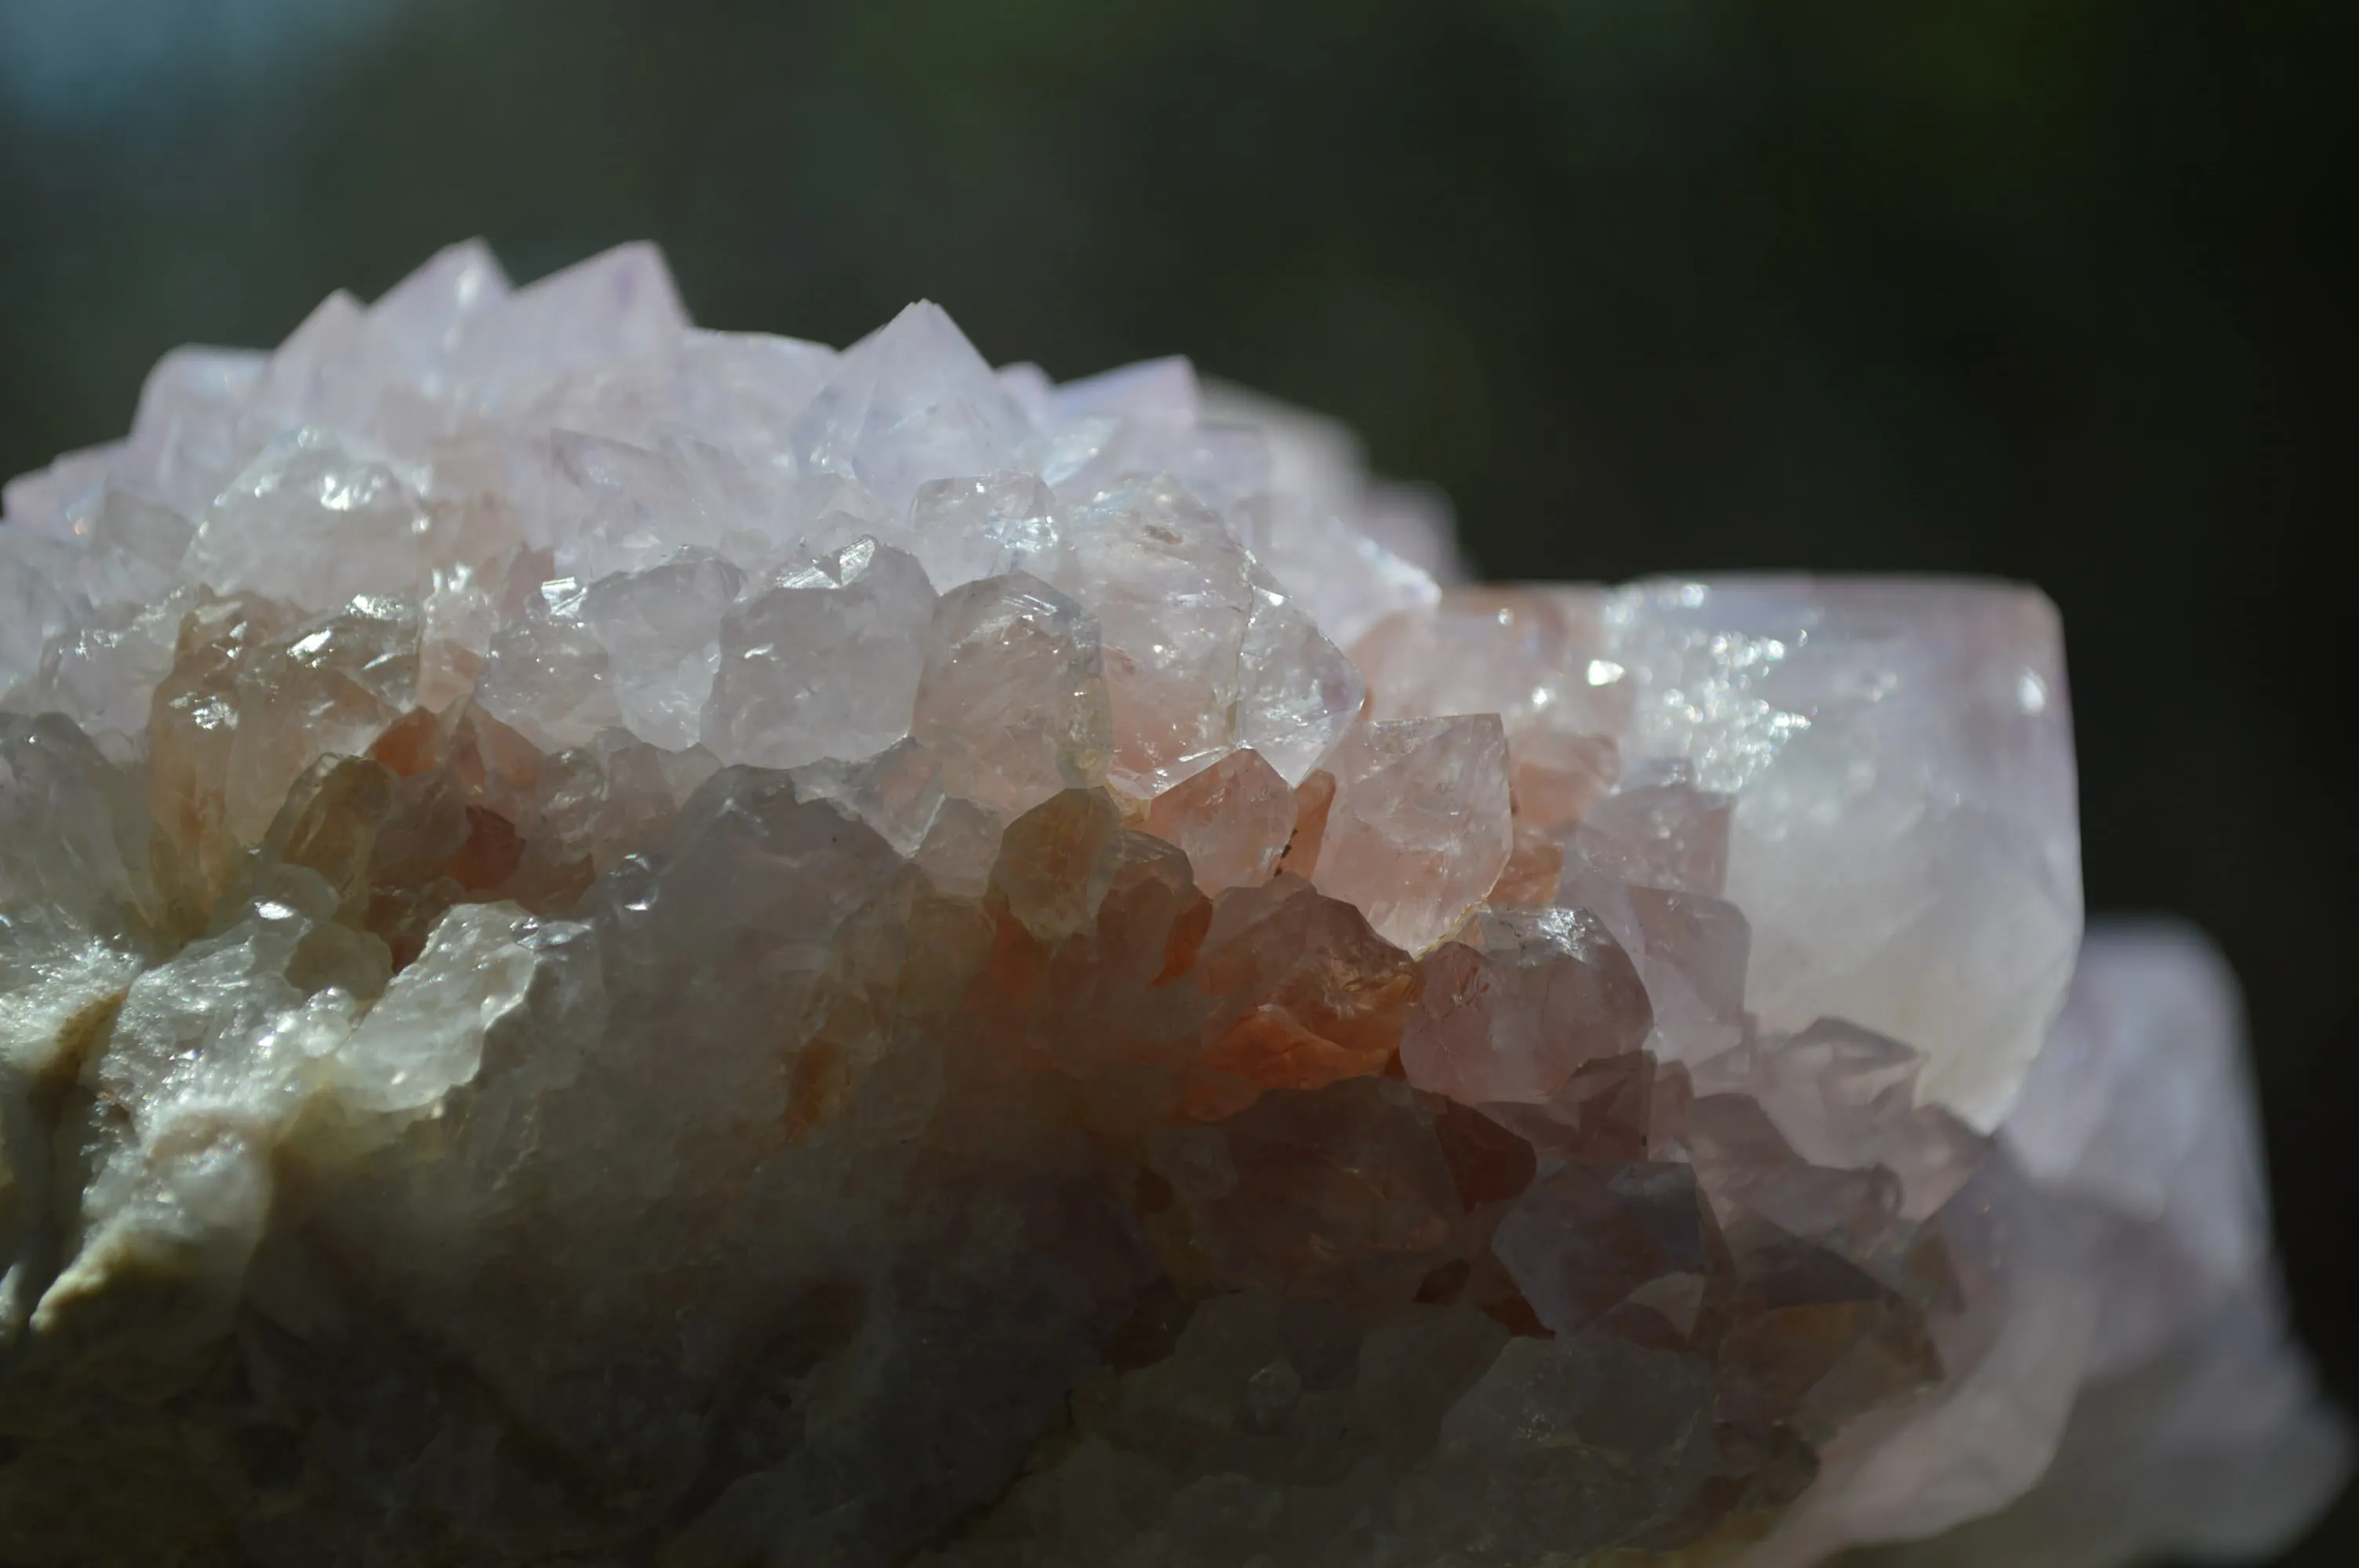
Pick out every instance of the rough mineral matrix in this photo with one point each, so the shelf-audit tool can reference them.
(622, 945)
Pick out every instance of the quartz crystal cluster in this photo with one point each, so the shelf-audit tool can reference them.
(625, 944)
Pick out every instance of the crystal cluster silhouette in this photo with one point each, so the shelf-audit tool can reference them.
(629, 945)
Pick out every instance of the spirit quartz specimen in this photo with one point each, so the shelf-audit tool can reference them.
(622, 945)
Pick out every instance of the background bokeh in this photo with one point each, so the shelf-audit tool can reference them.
(2055, 290)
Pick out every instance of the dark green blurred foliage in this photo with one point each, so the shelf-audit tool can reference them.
(2056, 289)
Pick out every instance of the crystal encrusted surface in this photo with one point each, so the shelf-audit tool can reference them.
(627, 945)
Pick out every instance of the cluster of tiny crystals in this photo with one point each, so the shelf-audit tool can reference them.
(627, 945)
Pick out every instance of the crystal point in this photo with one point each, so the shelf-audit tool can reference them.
(1419, 829)
(911, 402)
(1171, 594)
(1233, 819)
(1516, 1002)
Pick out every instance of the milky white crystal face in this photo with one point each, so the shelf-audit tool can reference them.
(2142, 1106)
(824, 664)
(1879, 774)
(2199, 1431)
(616, 933)
(1905, 839)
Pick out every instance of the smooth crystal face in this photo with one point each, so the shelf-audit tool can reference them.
(627, 943)
(1903, 838)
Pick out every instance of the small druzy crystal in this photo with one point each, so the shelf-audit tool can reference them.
(628, 945)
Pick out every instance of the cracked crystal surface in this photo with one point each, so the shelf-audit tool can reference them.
(623, 944)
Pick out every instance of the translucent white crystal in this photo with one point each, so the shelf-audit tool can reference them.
(1904, 841)
(186, 443)
(618, 305)
(910, 402)
(1147, 418)
(423, 318)
(1346, 581)
(1518, 1002)
(898, 792)
(740, 391)
(2141, 1104)
(210, 1055)
(606, 506)
(425, 1034)
(72, 848)
(1298, 694)
(963, 529)
(1320, 463)
(1534, 656)
(1418, 830)
(47, 501)
(1690, 949)
(1013, 697)
(824, 664)
(1203, 652)
(103, 674)
(2200, 1431)
(331, 686)
(658, 628)
(960, 847)
(831, 951)
(547, 674)
(313, 522)
(1233, 819)
(33, 608)
(1986, 1436)
(1168, 588)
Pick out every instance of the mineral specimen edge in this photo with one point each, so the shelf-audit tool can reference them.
(622, 943)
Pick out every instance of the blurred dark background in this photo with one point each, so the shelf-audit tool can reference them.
(2054, 289)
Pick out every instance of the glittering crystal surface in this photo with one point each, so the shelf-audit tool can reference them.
(628, 945)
